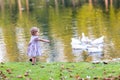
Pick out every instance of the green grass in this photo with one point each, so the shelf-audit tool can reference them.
(57, 70)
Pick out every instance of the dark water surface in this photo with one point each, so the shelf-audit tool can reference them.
(59, 24)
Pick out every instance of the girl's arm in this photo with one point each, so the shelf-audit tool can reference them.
(43, 40)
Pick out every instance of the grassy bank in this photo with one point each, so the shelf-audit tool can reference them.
(58, 71)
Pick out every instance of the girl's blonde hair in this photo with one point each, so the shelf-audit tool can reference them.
(33, 30)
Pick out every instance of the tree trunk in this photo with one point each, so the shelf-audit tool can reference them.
(2, 6)
(90, 2)
(10, 6)
(106, 5)
(95, 2)
(73, 3)
(79, 2)
(56, 6)
(56, 3)
(27, 6)
(63, 2)
(111, 2)
(20, 6)
(47, 0)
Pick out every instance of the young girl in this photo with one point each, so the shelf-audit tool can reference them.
(34, 48)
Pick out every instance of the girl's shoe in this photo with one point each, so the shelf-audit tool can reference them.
(30, 60)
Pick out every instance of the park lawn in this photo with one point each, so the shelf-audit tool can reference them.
(58, 70)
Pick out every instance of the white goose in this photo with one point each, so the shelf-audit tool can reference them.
(83, 39)
(94, 49)
(75, 41)
(98, 40)
(77, 44)
(88, 45)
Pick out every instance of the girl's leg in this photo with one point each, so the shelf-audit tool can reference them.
(33, 60)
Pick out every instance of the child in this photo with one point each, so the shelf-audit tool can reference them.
(34, 48)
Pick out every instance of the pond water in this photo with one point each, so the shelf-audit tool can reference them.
(59, 24)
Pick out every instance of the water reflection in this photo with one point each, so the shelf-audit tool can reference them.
(21, 43)
(3, 51)
(57, 53)
(78, 53)
(20, 39)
